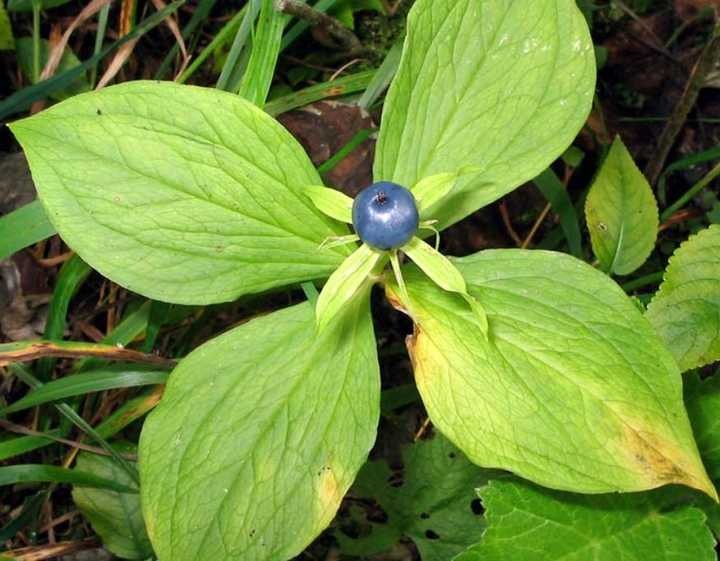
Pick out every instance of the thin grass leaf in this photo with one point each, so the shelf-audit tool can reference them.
(88, 382)
(554, 191)
(38, 473)
(258, 76)
(21, 100)
(382, 78)
(334, 88)
(23, 227)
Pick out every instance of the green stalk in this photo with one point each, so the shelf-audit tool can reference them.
(36, 41)
(694, 190)
(99, 38)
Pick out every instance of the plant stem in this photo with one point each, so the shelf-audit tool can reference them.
(694, 190)
(36, 41)
(346, 38)
(642, 282)
(99, 38)
(704, 65)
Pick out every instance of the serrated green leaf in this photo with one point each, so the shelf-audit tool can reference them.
(528, 523)
(183, 194)
(621, 213)
(346, 283)
(7, 42)
(331, 202)
(432, 496)
(68, 61)
(115, 517)
(702, 398)
(686, 309)
(572, 390)
(703, 404)
(259, 435)
(498, 84)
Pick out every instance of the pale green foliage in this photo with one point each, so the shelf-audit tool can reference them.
(433, 493)
(497, 84)
(527, 523)
(7, 43)
(686, 309)
(182, 194)
(621, 213)
(259, 435)
(346, 283)
(331, 202)
(572, 390)
(69, 60)
(116, 517)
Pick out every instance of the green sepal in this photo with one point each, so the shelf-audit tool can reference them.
(330, 202)
(345, 283)
(443, 273)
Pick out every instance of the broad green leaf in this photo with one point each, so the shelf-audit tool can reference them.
(183, 194)
(429, 501)
(572, 390)
(86, 382)
(260, 433)
(621, 213)
(346, 283)
(498, 84)
(686, 309)
(528, 523)
(115, 517)
(23, 227)
(67, 62)
(40, 473)
(7, 42)
(331, 202)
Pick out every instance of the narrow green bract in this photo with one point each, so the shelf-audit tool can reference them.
(259, 435)
(686, 309)
(183, 194)
(621, 213)
(497, 84)
(572, 389)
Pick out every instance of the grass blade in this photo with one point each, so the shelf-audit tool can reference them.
(88, 382)
(335, 88)
(23, 227)
(38, 473)
(556, 194)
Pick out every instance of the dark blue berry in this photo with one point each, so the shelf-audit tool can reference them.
(385, 215)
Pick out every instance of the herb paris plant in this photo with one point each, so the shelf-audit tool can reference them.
(532, 362)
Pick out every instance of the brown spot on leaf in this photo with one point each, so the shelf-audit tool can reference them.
(662, 461)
